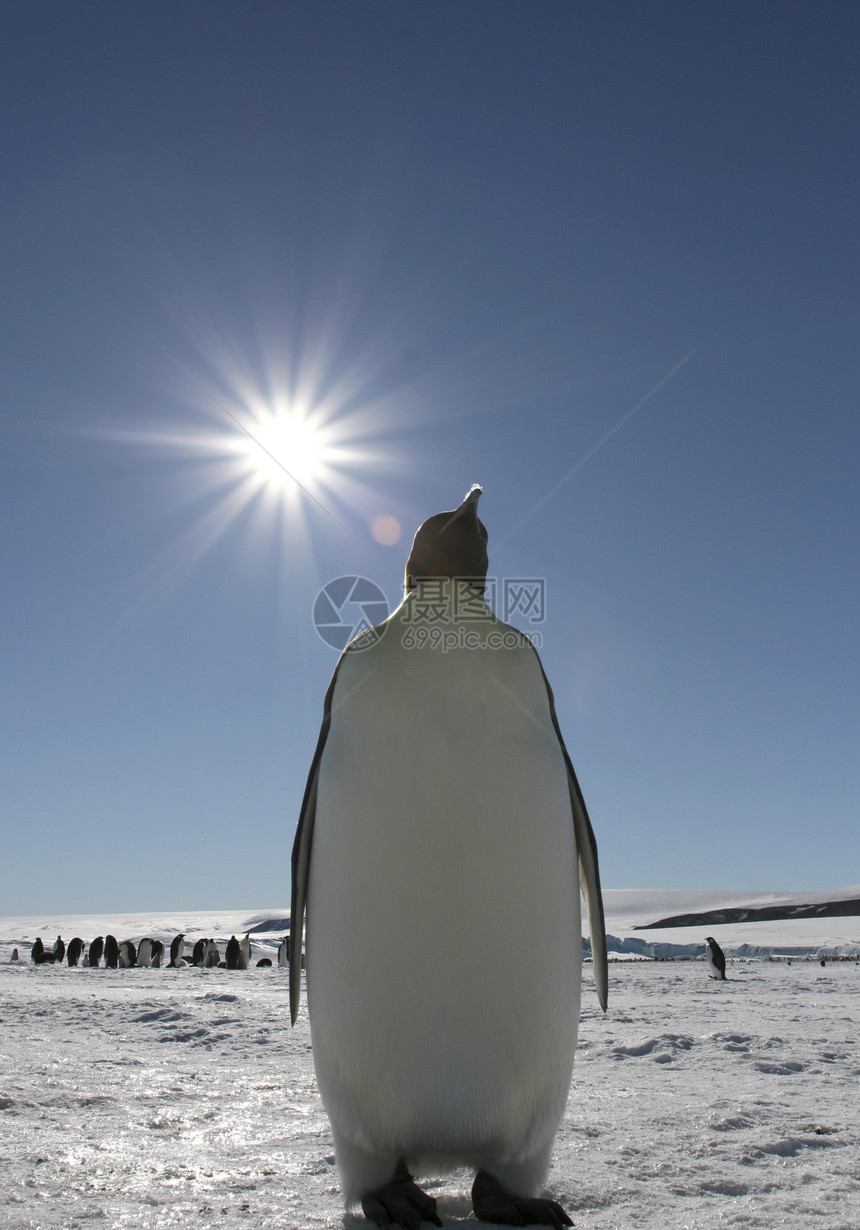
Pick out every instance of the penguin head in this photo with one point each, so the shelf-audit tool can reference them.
(450, 545)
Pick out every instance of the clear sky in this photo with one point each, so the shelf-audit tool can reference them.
(463, 241)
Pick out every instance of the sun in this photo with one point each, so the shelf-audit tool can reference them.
(285, 446)
(281, 450)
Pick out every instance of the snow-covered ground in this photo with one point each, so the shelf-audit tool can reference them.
(148, 1098)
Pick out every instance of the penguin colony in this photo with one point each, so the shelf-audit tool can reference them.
(151, 953)
(441, 803)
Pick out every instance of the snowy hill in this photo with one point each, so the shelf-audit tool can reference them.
(747, 924)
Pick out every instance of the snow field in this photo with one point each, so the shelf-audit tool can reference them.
(181, 1098)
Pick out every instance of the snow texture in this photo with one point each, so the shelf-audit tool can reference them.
(152, 1098)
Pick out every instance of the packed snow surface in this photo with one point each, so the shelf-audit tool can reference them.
(148, 1098)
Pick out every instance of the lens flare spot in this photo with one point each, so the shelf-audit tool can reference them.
(386, 530)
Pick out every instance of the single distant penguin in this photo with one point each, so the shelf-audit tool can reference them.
(94, 955)
(59, 949)
(264, 961)
(177, 950)
(211, 955)
(14, 956)
(111, 951)
(144, 953)
(284, 951)
(74, 950)
(198, 952)
(157, 953)
(127, 954)
(716, 958)
(440, 850)
(42, 955)
(233, 953)
(245, 951)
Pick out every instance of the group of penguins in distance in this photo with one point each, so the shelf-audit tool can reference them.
(150, 953)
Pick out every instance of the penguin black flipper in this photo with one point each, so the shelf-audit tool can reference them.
(301, 859)
(589, 872)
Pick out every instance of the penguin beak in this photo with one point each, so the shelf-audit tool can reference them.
(470, 504)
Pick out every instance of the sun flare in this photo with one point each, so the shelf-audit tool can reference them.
(286, 447)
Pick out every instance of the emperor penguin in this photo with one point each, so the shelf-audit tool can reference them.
(284, 951)
(127, 954)
(144, 953)
(177, 950)
(96, 949)
(716, 959)
(111, 952)
(245, 951)
(439, 854)
(74, 950)
(232, 953)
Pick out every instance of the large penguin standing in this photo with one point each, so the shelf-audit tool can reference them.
(440, 848)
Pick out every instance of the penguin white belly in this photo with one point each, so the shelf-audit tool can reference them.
(245, 952)
(443, 932)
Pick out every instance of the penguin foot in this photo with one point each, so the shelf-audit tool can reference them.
(492, 1203)
(400, 1203)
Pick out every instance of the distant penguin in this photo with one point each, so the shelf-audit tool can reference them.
(245, 951)
(157, 953)
(211, 955)
(198, 952)
(264, 961)
(42, 955)
(111, 951)
(144, 953)
(59, 948)
(284, 951)
(177, 950)
(442, 804)
(127, 955)
(716, 959)
(233, 953)
(74, 950)
(14, 956)
(96, 949)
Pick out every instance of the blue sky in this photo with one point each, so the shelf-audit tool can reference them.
(465, 241)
